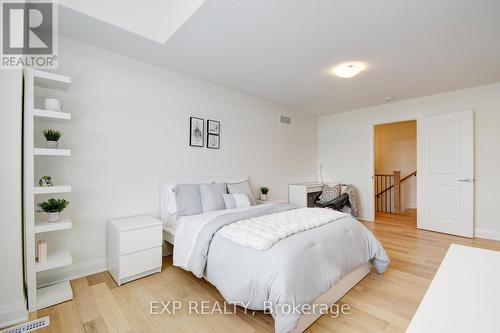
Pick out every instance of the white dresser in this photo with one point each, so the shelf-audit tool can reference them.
(134, 247)
(304, 194)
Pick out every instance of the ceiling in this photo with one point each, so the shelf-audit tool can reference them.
(282, 50)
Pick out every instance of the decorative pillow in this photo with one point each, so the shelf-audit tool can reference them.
(241, 187)
(330, 192)
(237, 200)
(188, 199)
(211, 196)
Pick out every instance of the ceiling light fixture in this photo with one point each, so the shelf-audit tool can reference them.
(348, 69)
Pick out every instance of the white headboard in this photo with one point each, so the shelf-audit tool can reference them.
(173, 180)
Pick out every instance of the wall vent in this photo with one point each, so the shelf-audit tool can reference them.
(29, 326)
(285, 120)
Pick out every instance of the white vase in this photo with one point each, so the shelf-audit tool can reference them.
(263, 197)
(52, 144)
(54, 217)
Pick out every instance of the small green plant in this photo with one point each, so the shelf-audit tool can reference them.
(53, 205)
(45, 181)
(51, 135)
(264, 190)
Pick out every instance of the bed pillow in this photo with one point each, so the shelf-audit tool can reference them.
(241, 187)
(211, 196)
(330, 192)
(188, 199)
(237, 200)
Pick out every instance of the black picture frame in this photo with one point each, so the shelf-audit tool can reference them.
(196, 132)
(213, 141)
(213, 127)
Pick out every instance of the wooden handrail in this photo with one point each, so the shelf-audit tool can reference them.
(414, 173)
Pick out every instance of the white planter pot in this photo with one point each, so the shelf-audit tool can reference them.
(263, 197)
(54, 217)
(53, 144)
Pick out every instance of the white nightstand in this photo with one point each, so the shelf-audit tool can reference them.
(134, 247)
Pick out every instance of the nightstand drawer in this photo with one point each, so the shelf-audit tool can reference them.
(139, 262)
(140, 239)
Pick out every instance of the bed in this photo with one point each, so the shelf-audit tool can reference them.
(315, 266)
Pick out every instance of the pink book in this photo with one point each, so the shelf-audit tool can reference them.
(42, 250)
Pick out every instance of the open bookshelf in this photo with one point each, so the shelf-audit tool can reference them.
(42, 296)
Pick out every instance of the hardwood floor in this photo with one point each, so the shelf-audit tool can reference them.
(408, 217)
(379, 303)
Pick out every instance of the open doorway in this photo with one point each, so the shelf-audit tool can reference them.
(395, 165)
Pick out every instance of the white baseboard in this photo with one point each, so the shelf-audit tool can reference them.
(487, 234)
(13, 313)
(72, 272)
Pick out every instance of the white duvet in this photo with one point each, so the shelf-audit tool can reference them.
(264, 231)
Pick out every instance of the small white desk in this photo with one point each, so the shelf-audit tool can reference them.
(304, 194)
(464, 295)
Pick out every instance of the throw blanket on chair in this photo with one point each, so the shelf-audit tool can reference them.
(264, 231)
(353, 199)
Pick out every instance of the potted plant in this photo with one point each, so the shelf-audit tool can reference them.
(53, 208)
(45, 181)
(263, 193)
(52, 137)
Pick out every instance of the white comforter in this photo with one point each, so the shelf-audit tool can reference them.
(262, 232)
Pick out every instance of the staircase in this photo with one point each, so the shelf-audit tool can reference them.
(388, 191)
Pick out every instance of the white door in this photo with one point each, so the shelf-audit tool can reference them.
(445, 173)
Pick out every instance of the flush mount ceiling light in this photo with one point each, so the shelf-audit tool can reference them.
(348, 69)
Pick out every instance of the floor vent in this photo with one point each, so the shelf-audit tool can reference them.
(29, 326)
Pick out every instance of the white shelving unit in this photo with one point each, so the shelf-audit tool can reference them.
(39, 298)
(51, 190)
(52, 115)
(54, 294)
(51, 152)
(54, 260)
(42, 226)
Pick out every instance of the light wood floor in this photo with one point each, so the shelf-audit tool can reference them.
(380, 303)
(408, 217)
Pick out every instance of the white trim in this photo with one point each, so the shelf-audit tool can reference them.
(71, 272)
(13, 313)
(389, 120)
(487, 234)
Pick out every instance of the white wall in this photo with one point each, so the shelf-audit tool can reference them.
(130, 126)
(12, 305)
(345, 145)
(396, 150)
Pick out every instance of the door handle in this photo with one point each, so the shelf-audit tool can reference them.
(465, 180)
